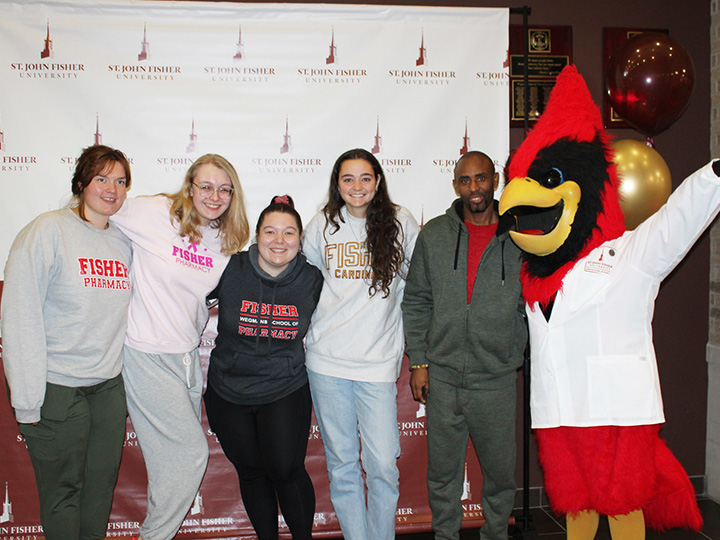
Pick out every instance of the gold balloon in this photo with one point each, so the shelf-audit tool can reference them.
(645, 181)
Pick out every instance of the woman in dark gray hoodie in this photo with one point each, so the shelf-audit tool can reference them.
(258, 399)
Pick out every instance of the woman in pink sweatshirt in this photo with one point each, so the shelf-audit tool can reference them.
(181, 245)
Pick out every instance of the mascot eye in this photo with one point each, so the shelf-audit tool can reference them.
(552, 179)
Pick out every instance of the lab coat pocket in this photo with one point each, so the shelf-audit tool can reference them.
(619, 387)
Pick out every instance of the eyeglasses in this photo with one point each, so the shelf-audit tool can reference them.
(206, 190)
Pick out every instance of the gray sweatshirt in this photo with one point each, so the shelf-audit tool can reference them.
(64, 307)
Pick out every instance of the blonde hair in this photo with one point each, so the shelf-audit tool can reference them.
(233, 224)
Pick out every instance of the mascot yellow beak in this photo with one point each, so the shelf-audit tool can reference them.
(543, 216)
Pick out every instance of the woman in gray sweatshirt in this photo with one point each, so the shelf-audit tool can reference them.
(64, 314)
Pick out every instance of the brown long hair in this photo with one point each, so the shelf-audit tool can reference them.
(233, 224)
(384, 233)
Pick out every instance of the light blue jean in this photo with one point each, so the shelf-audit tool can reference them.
(342, 408)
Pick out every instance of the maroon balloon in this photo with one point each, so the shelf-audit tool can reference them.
(650, 79)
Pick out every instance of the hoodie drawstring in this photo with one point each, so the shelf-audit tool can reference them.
(502, 262)
(502, 257)
(271, 319)
(258, 316)
(457, 249)
(458, 210)
(269, 315)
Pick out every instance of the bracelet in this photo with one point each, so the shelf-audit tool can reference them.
(421, 366)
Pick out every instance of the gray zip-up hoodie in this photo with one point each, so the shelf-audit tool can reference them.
(475, 345)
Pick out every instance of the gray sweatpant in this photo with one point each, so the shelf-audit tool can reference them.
(488, 416)
(164, 393)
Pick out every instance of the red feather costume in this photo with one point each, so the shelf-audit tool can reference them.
(610, 469)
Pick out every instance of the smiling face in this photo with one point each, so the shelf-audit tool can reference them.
(278, 242)
(357, 184)
(475, 183)
(104, 195)
(211, 192)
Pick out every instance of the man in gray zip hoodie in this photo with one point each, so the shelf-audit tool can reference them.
(465, 332)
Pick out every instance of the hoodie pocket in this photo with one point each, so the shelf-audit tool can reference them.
(245, 370)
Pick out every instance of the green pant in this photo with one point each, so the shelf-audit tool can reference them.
(75, 450)
(488, 417)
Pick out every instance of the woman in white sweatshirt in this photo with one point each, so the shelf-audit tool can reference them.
(64, 312)
(181, 245)
(362, 243)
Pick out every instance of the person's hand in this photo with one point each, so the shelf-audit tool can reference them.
(420, 384)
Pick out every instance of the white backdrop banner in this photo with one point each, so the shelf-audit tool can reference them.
(280, 90)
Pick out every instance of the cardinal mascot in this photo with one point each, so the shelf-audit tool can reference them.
(590, 287)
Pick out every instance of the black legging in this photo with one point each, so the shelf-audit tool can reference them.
(267, 445)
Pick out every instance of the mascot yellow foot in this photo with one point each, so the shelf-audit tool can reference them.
(584, 525)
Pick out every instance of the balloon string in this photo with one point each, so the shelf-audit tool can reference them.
(650, 142)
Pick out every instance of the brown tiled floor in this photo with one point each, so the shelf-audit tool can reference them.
(544, 526)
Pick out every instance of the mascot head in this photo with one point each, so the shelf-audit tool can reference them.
(562, 197)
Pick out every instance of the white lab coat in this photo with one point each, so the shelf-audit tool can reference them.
(594, 362)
